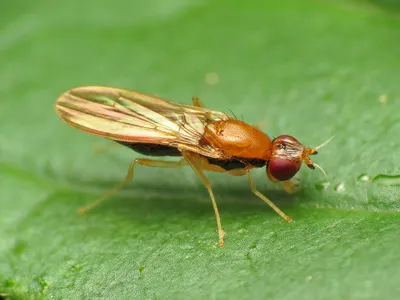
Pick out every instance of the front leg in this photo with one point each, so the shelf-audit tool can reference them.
(292, 186)
(266, 200)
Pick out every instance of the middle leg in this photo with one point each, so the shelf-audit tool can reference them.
(195, 162)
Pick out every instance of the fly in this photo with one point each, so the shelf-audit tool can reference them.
(205, 139)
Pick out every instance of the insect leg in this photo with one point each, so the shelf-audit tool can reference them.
(291, 186)
(266, 200)
(196, 102)
(129, 176)
(195, 162)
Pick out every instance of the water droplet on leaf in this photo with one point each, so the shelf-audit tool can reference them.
(323, 185)
(340, 187)
(364, 178)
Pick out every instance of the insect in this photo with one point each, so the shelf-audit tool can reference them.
(205, 139)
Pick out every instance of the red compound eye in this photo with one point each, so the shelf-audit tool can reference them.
(282, 169)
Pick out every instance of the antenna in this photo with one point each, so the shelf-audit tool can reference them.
(324, 143)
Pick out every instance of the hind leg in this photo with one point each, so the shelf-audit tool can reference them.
(140, 161)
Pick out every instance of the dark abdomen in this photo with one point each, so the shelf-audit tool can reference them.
(152, 149)
(161, 150)
(236, 163)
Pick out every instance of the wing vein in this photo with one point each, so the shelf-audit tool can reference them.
(130, 116)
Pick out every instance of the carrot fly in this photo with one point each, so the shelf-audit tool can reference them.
(205, 139)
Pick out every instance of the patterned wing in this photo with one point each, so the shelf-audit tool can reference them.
(134, 117)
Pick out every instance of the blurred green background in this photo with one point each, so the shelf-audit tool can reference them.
(311, 69)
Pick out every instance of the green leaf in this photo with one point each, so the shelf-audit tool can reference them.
(311, 69)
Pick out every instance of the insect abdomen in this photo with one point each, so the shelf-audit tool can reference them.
(152, 149)
(236, 163)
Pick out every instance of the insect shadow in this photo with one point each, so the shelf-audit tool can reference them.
(190, 199)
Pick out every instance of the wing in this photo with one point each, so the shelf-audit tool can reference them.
(131, 116)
